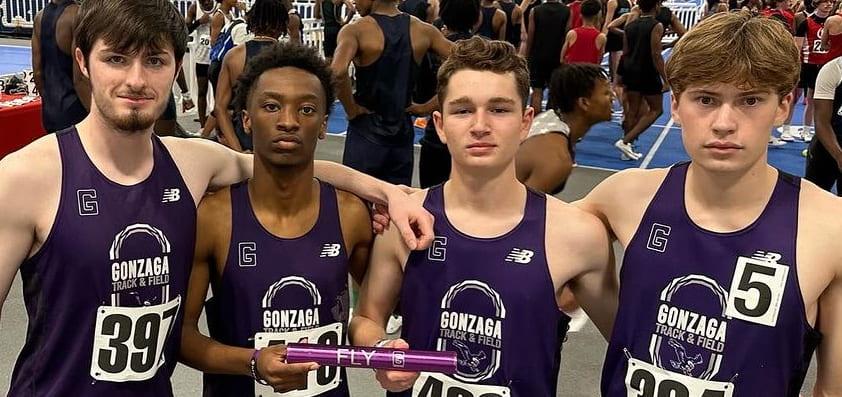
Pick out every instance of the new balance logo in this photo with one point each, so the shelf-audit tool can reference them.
(171, 195)
(518, 255)
(330, 251)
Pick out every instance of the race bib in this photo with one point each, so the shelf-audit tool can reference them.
(817, 47)
(129, 341)
(646, 380)
(319, 381)
(757, 290)
(438, 385)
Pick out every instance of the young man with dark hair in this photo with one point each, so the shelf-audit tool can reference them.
(386, 47)
(585, 44)
(582, 97)
(100, 218)
(502, 252)
(731, 275)
(267, 20)
(64, 91)
(323, 235)
(547, 27)
(643, 75)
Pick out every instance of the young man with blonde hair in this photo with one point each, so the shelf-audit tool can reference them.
(502, 253)
(732, 275)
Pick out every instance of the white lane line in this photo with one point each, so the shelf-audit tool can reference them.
(657, 145)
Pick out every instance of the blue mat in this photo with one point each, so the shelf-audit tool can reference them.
(15, 59)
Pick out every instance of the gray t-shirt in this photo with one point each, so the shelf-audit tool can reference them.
(548, 122)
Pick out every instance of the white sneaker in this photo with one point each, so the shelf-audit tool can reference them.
(627, 150)
(786, 128)
(775, 141)
(788, 136)
(807, 134)
(394, 325)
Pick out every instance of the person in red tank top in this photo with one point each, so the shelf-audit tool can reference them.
(808, 37)
(585, 44)
(832, 36)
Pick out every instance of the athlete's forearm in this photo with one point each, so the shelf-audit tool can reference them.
(209, 356)
(344, 92)
(345, 178)
(364, 331)
(226, 126)
(824, 131)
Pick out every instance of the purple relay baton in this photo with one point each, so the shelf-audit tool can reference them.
(373, 357)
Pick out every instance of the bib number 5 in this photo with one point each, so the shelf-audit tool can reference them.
(757, 291)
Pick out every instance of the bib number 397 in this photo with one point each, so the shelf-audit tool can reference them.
(129, 341)
(646, 380)
(324, 379)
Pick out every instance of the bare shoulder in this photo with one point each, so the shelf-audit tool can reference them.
(31, 172)
(621, 199)
(35, 166)
(819, 213)
(234, 55)
(190, 151)
(573, 227)
(416, 23)
(196, 159)
(630, 184)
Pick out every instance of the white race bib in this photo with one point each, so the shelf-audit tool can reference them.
(319, 381)
(646, 380)
(129, 341)
(438, 385)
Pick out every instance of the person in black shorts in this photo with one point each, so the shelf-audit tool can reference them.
(614, 44)
(824, 157)
(643, 75)
(458, 18)
(548, 25)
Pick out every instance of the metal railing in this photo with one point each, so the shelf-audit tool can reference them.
(688, 13)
